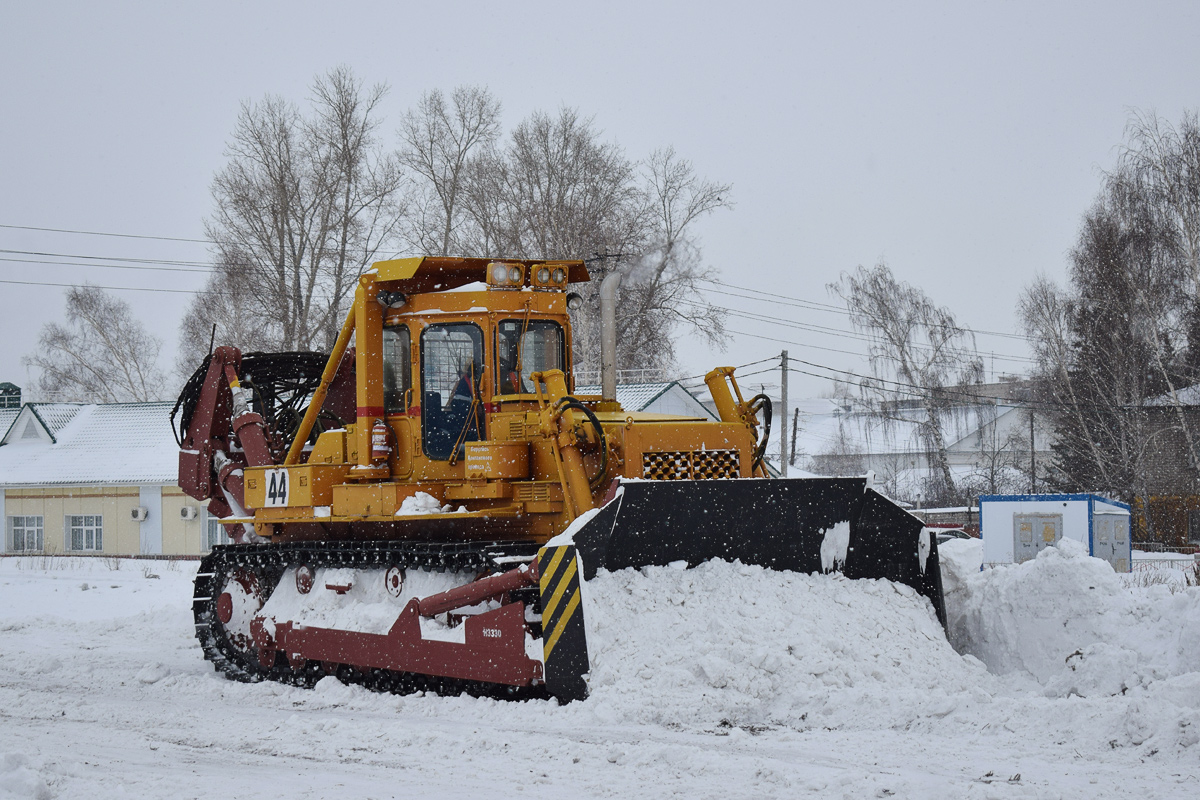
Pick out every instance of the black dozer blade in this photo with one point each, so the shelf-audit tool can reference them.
(777, 523)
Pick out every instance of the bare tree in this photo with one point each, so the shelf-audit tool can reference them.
(917, 349)
(102, 354)
(1001, 459)
(439, 140)
(1160, 165)
(306, 203)
(663, 289)
(228, 302)
(557, 190)
(302, 207)
(1126, 331)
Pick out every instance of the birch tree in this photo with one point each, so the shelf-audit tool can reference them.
(918, 351)
(101, 354)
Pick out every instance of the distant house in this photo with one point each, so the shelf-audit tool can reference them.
(1172, 474)
(96, 479)
(10, 398)
(987, 445)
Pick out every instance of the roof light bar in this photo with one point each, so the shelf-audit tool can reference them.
(504, 275)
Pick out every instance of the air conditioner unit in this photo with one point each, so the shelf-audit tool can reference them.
(139, 514)
(188, 512)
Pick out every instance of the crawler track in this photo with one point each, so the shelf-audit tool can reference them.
(268, 562)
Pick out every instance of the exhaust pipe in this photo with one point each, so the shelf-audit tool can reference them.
(608, 336)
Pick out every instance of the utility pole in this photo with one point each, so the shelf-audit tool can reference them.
(1032, 457)
(795, 429)
(783, 420)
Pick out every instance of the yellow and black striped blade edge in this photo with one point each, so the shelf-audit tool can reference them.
(564, 641)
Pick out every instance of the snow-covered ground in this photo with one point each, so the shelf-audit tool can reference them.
(723, 681)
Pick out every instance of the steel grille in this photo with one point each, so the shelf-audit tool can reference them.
(532, 492)
(679, 465)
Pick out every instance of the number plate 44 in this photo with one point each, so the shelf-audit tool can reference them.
(276, 481)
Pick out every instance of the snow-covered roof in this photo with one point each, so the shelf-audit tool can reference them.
(55, 416)
(641, 396)
(120, 443)
(632, 396)
(7, 417)
(1187, 396)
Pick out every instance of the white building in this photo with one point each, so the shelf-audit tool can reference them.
(987, 445)
(96, 479)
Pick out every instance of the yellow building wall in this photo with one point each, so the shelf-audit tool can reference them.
(114, 504)
(180, 536)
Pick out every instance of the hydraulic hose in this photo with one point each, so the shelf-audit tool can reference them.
(761, 401)
(573, 403)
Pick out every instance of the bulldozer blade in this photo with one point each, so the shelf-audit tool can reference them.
(564, 642)
(796, 524)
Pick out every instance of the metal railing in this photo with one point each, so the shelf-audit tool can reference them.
(591, 377)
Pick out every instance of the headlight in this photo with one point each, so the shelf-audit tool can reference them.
(499, 273)
(543, 275)
(514, 275)
(560, 275)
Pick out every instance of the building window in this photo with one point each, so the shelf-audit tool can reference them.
(214, 533)
(25, 534)
(85, 532)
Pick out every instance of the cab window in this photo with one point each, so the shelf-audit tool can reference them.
(451, 368)
(524, 347)
(397, 369)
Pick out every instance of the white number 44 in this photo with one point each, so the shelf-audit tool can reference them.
(277, 487)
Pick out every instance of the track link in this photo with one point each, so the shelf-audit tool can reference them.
(269, 561)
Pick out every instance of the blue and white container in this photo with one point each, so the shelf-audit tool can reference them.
(1016, 527)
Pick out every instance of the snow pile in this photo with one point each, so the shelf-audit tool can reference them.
(1064, 616)
(745, 646)
(17, 779)
(423, 503)
(1130, 654)
(366, 606)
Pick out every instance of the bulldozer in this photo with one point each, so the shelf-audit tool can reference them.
(420, 509)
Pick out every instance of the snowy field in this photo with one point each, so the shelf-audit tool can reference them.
(723, 681)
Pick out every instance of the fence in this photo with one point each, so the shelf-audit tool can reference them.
(1148, 564)
(592, 377)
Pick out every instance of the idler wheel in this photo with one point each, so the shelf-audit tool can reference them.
(240, 600)
(305, 578)
(394, 581)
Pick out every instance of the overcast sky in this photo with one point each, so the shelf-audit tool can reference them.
(959, 142)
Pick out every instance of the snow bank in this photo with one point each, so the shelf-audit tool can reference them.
(1068, 622)
(18, 779)
(1063, 610)
(743, 645)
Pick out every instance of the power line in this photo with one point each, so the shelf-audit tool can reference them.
(766, 318)
(815, 305)
(101, 233)
(191, 270)
(109, 258)
(111, 288)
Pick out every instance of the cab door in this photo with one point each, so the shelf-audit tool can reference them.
(451, 399)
